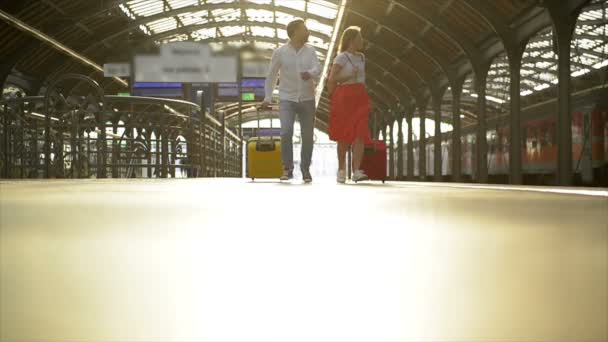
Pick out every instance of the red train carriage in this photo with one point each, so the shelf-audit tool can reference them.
(539, 144)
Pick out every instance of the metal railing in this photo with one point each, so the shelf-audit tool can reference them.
(84, 135)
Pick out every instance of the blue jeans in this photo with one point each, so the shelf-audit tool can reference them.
(306, 115)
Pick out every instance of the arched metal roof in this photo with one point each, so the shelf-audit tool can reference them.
(414, 48)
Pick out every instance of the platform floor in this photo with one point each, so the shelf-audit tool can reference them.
(231, 260)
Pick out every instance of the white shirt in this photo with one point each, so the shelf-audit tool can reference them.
(290, 63)
(347, 61)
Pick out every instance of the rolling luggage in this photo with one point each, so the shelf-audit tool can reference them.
(264, 156)
(374, 160)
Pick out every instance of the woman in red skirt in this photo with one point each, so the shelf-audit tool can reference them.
(350, 106)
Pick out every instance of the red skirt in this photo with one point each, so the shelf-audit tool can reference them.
(349, 114)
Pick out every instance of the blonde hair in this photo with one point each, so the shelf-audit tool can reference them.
(348, 36)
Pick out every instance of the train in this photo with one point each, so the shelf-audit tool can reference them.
(539, 144)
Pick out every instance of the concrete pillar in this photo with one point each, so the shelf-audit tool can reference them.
(456, 134)
(437, 138)
(515, 167)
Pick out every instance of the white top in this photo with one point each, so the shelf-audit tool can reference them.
(291, 63)
(347, 61)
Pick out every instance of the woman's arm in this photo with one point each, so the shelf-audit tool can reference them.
(335, 71)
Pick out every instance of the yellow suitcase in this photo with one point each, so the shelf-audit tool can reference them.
(264, 157)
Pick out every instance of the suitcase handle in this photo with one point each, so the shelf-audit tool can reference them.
(265, 146)
(370, 149)
(257, 110)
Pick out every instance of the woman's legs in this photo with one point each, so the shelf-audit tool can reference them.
(358, 148)
(342, 150)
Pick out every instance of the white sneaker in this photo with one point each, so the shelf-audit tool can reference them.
(287, 175)
(360, 176)
(341, 176)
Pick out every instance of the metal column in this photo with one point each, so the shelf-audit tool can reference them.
(7, 141)
(383, 124)
(400, 145)
(456, 133)
(422, 142)
(115, 152)
(481, 141)
(240, 132)
(102, 148)
(47, 140)
(223, 146)
(391, 156)
(164, 136)
(515, 168)
(203, 137)
(410, 145)
(437, 138)
(563, 34)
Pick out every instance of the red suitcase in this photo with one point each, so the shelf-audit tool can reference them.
(374, 160)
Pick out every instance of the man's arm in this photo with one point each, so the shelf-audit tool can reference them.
(271, 77)
(315, 71)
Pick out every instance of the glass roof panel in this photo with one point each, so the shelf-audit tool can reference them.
(314, 25)
(177, 38)
(299, 5)
(239, 22)
(326, 10)
(220, 1)
(182, 3)
(226, 14)
(162, 25)
(260, 15)
(284, 18)
(205, 33)
(260, 2)
(228, 31)
(282, 34)
(262, 31)
(539, 63)
(319, 44)
(265, 45)
(194, 18)
(145, 8)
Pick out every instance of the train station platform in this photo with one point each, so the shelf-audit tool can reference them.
(232, 260)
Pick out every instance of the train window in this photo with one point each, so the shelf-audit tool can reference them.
(553, 134)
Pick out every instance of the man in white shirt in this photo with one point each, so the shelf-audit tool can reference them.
(299, 68)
